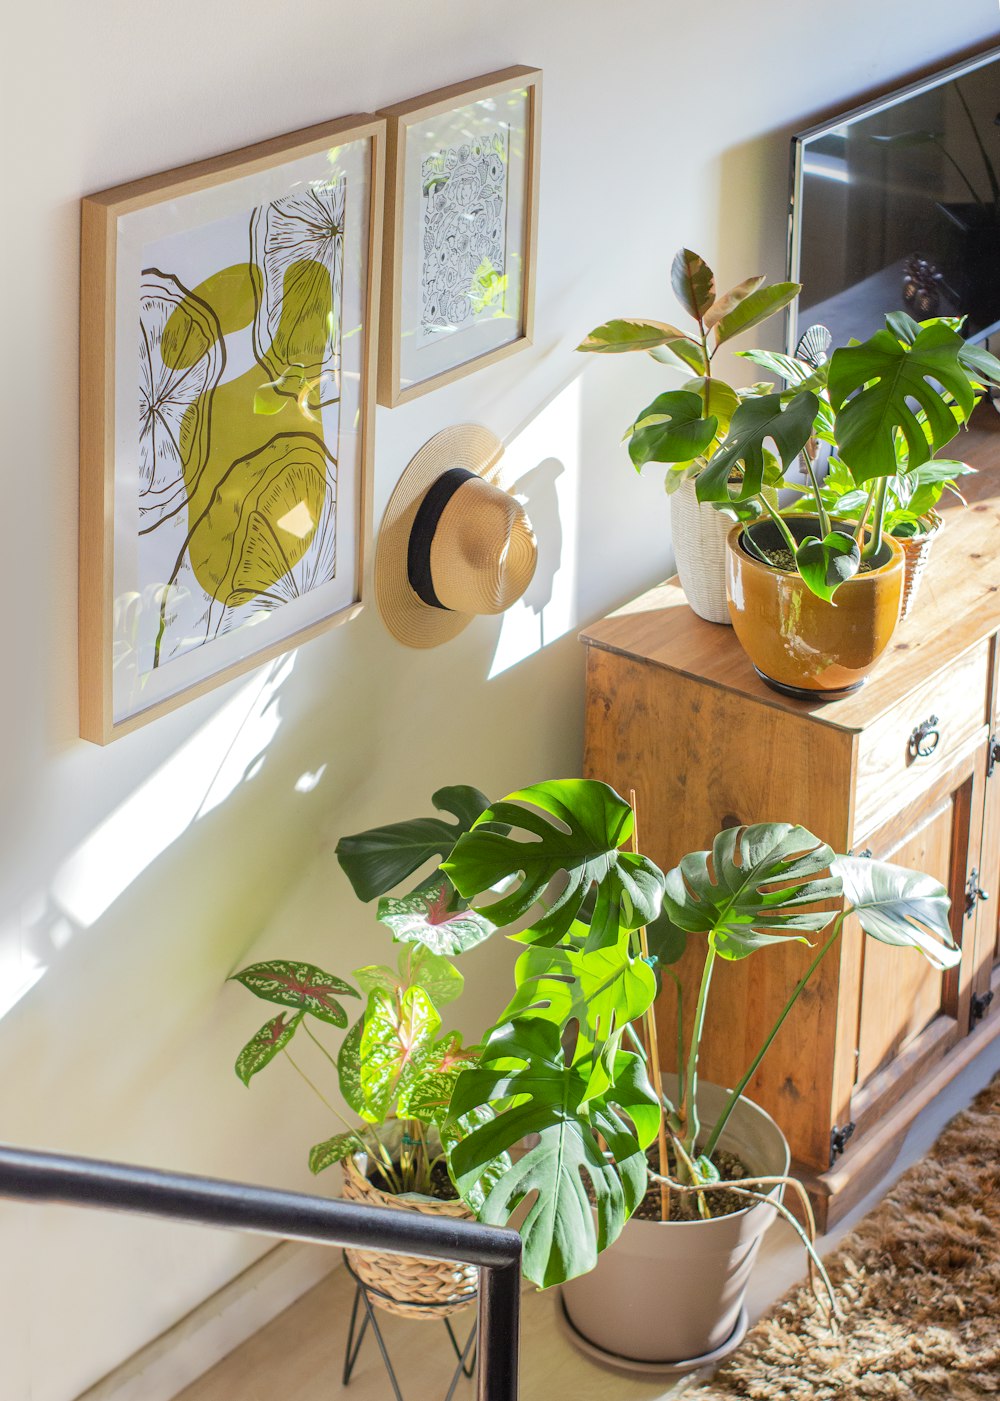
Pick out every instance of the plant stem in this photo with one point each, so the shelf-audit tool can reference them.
(821, 511)
(859, 534)
(747, 1077)
(680, 1032)
(874, 542)
(776, 516)
(690, 1100)
(315, 1039)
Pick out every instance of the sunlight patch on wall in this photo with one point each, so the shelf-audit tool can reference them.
(227, 751)
(542, 466)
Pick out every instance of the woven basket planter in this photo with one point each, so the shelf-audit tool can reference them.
(917, 550)
(699, 535)
(403, 1284)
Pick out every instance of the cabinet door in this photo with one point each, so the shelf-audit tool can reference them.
(986, 978)
(908, 1014)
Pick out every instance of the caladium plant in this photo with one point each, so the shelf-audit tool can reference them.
(394, 1066)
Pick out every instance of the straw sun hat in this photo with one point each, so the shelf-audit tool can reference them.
(453, 544)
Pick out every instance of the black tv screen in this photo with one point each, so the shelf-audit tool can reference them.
(896, 206)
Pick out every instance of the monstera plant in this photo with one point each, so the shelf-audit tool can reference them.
(563, 1075)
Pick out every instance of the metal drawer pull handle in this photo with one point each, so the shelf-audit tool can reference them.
(925, 738)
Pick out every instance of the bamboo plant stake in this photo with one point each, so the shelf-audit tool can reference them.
(652, 1042)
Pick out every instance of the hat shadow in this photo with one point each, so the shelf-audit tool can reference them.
(537, 489)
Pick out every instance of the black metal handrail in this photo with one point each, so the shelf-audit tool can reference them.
(206, 1201)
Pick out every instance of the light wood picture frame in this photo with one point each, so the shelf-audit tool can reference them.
(229, 317)
(461, 229)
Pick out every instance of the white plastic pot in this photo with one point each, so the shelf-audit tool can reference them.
(670, 1295)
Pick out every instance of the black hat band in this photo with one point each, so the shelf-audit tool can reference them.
(425, 523)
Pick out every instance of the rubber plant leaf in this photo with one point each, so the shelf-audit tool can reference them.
(826, 564)
(759, 885)
(575, 829)
(630, 333)
(377, 860)
(333, 1150)
(756, 422)
(435, 916)
(693, 282)
(673, 428)
(901, 907)
(566, 1172)
(398, 1035)
(262, 1047)
(725, 304)
(349, 1070)
(719, 400)
(681, 355)
(754, 309)
(873, 387)
(302, 985)
(427, 1096)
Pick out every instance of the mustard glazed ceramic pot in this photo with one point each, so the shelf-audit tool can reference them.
(800, 645)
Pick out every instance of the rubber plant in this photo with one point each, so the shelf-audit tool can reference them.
(884, 408)
(394, 1068)
(562, 1075)
(685, 427)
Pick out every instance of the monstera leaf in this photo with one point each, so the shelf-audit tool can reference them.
(602, 991)
(452, 1132)
(766, 879)
(303, 985)
(262, 1047)
(757, 421)
(873, 385)
(524, 1059)
(576, 838)
(673, 428)
(826, 564)
(435, 916)
(899, 907)
(377, 860)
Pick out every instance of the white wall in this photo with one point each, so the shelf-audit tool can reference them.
(133, 879)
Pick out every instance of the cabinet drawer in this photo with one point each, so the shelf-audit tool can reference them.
(902, 753)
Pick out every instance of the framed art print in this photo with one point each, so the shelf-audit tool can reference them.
(460, 231)
(228, 337)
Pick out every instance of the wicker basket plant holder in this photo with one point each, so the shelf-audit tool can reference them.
(403, 1284)
(916, 549)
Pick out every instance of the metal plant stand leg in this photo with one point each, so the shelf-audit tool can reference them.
(466, 1355)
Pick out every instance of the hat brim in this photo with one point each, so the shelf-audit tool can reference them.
(408, 618)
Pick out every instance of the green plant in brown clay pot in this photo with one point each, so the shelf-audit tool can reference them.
(815, 598)
(685, 427)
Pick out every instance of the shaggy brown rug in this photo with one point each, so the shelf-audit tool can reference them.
(919, 1285)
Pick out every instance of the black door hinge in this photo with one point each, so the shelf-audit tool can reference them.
(838, 1140)
(992, 755)
(973, 893)
(978, 1006)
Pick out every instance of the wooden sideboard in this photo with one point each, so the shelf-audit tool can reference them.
(904, 769)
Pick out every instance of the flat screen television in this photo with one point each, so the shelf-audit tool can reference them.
(896, 206)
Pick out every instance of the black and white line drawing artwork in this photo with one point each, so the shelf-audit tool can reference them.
(463, 275)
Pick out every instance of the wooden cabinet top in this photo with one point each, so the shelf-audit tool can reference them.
(957, 607)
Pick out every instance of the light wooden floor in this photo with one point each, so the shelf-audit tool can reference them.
(299, 1355)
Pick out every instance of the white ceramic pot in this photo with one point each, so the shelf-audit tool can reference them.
(699, 539)
(670, 1294)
